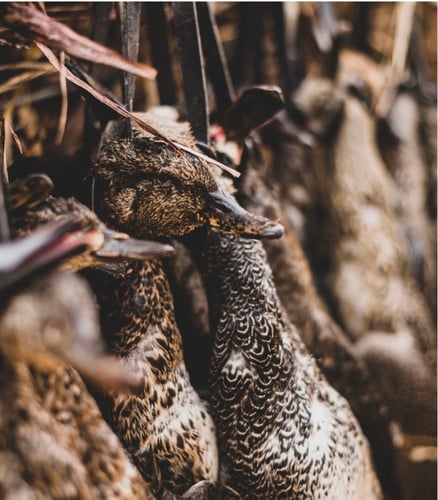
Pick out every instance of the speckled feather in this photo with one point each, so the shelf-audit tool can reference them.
(283, 431)
(144, 173)
(54, 443)
(331, 347)
(167, 430)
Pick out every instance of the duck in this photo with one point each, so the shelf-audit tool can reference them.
(405, 156)
(375, 297)
(283, 431)
(150, 190)
(30, 204)
(166, 429)
(107, 471)
(54, 442)
(331, 347)
(274, 184)
(401, 150)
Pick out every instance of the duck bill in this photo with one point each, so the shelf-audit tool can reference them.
(226, 214)
(102, 370)
(255, 107)
(119, 246)
(45, 247)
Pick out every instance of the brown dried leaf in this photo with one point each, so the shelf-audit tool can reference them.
(39, 27)
(97, 95)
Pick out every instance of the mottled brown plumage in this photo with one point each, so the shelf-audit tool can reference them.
(54, 442)
(167, 429)
(151, 190)
(377, 299)
(30, 205)
(144, 173)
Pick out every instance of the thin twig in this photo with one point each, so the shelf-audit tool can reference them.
(16, 140)
(16, 81)
(123, 112)
(64, 101)
(405, 12)
(4, 224)
(29, 65)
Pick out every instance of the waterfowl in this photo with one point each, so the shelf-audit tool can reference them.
(166, 430)
(266, 391)
(283, 431)
(402, 152)
(376, 297)
(54, 442)
(273, 184)
(151, 190)
(31, 205)
(331, 347)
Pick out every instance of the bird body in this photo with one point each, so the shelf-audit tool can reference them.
(283, 431)
(405, 160)
(377, 299)
(55, 443)
(332, 349)
(167, 430)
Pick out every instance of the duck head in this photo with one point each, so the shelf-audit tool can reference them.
(320, 102)
(30, 206)
(152, 190)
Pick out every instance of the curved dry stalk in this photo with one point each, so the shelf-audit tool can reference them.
(405, 13)
(16, 81)
(121, 110)
(36, 26)
(62, 120)
(4, 225)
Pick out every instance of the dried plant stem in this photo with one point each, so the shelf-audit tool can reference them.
(4, 225)
(123, 112)
(64, 100)
(405, 12)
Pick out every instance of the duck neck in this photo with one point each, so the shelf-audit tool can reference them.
(246, 313)
(138, 305)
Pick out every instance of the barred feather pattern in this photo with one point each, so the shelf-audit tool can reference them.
(283, 431)
(167, 430)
